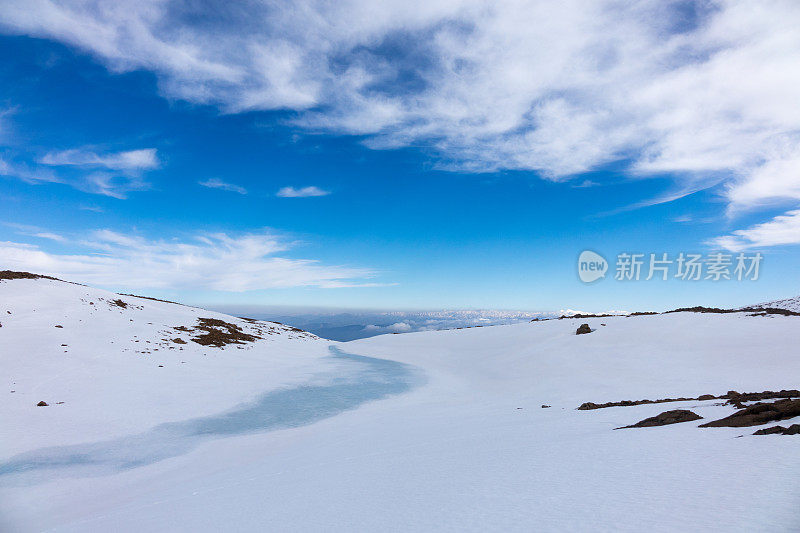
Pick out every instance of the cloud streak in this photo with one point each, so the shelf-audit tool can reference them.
(303, 192)
(216, 262)
(781, 230)
(215, 183)
(144, 159)
(113, 174)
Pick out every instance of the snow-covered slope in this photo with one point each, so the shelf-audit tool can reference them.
(791, 304)
(426, 431)
(109, 364)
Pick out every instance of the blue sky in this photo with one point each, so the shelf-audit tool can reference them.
(378, 163)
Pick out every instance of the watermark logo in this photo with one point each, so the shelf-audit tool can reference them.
(684, 266)
(591, 266)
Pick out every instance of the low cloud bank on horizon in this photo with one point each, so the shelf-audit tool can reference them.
(216, 262)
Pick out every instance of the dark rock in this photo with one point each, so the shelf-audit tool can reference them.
(583, 329)
(666, 418)
(10, 274)
(734, 398)
(59, 326)
(42, 404)
(794, 429)
(178, 340)
(759, 413)
(545, 406)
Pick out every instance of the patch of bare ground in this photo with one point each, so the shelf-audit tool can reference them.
(10, 274)
(794, 429)
(667, 417)
(149, 298)
(732, 398)
(760, 311)
(759, 413)
(219, 333)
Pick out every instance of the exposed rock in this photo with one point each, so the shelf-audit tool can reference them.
(583, 329)
(587, 406)
(10, 274)
(545, 406)
(665, 418)
(178, 340)
(794, 429)
(733, 398)
(42, 404)
(759, 413)
(59, 326)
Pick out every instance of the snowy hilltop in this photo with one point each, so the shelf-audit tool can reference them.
(790, 304)
(163, 417)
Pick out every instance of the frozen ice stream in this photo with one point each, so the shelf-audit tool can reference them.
(368, 379)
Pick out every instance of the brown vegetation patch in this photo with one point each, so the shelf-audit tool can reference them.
(665, 418)
(119, 303)
(219, 333)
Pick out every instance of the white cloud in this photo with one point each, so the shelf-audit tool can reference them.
(215, 183)
(144, 159)
(555, 87)
(113, 174)
(706, 90)
(783, 229)
(209, 262)
(303, 192)
(27, 174)
(50, 236)
(113, 185)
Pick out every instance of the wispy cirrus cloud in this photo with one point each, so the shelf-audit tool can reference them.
(214, 261)
(215, 183)
(302, 192)
(143, 159)
(113, 174)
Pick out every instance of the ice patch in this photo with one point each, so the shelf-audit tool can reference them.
(370, 379)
